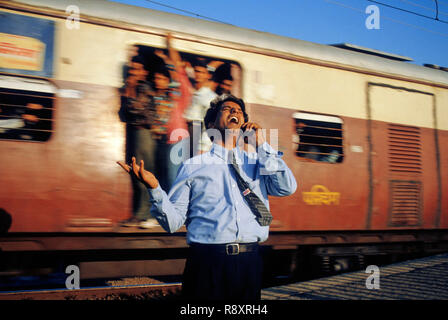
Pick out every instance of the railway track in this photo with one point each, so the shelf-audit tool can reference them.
(422, 279)
(163, 291)
(419, 279)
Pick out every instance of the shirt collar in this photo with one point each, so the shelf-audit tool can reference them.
(222, 152)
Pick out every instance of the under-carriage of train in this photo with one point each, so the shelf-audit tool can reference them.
(365, 135)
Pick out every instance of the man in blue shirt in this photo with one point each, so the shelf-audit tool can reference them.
(211, 197)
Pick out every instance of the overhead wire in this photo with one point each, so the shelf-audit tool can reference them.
(387, 18)
(425, 7)
(335, 2)
(340, 4)
(417, 5)
(408, 11)
(437, 10)
(445, 3)
(188, 12)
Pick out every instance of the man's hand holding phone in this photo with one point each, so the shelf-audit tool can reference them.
(258, 131)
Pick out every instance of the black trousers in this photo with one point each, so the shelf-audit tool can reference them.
(211, 274)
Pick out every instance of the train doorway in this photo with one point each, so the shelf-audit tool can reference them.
(403, 160)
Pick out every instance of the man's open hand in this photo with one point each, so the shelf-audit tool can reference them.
(145, 177)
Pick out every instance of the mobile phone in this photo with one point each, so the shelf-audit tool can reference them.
(245, 128)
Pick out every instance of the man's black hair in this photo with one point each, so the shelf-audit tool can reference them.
(200, 62)
(215, 106)
(139, 59)
(222, 73)
(162, 70)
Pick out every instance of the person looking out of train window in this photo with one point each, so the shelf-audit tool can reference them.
(222, 79)
(137, 111)
(199, 105)
(8, 123)
(222, 198)
(225, 85)
(36, 126)
(27, 123)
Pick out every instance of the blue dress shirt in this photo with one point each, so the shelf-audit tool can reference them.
(206, 198)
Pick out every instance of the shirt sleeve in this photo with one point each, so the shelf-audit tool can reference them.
(278, 178)
(171, 209)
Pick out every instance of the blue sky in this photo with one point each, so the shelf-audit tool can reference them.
(333, 21)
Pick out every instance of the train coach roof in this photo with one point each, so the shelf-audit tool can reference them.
(202, 28)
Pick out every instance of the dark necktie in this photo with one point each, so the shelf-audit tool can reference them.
(257, 206)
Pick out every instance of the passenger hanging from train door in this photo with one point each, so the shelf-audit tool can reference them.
(137, 111)
(200, 103)
(161, 105)
(132, 51)
(222, 80)
(172, 95)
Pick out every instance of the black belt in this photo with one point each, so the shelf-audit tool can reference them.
(229, 249)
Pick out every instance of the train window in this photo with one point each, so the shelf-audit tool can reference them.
(318, 137)
(26, 108)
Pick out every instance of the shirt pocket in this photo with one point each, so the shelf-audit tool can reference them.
(208, 189)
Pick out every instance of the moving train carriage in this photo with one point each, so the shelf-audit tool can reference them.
(364, 135)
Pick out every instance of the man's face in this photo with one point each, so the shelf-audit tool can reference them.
(225, 87)
(161, 82)
(230, 116)
(201, 74)
(137, 71)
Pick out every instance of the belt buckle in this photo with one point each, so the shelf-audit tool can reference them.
(232, 251)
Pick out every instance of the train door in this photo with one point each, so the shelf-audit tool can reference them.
(404, 176)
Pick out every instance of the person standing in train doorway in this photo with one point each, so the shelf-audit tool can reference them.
(172, 95)
(159, 109)
(200, 103)
(136, 110)
(222, 198)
